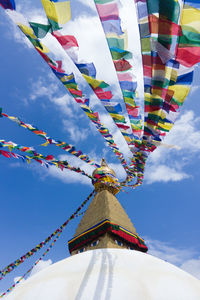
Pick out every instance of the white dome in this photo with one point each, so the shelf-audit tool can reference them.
(109, 274)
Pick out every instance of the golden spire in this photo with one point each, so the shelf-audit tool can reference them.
(105, 223)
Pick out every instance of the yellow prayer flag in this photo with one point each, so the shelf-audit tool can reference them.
(59, 12)
(128, 139)
(190, 15)
(117, 116)
(44, 48)
(27, 30)
(93, 82)
(149, 97)
(45, 144)
(180, 92)
(166, 126)
(129, 101)
(135, 127)
(160, 113)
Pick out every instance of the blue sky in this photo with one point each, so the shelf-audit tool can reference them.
(35, 201)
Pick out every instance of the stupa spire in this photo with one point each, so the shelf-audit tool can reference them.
(105, 224)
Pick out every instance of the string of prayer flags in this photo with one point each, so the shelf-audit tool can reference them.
(77, 94)
(100, 88)
(50, 141)
(43, 160)
(164, 28)
(56, 234)
(117, 42)
(29, 270)
(28, 31)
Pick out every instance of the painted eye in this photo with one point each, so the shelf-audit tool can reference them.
(95, 243)
(81, 250)
(119, 243)
(130, 248)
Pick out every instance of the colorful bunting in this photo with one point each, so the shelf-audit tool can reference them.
(109, 15)
(56, 234)
(50, 141)
(67, 80)
(43, 160)
(100, 88)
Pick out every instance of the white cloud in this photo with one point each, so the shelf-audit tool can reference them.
(168, 253)
(67, 105)
(119, 170)
(163, 173)
(89, 3)
(40, 88)
(14, 31)
(183, 258)
(185, 135)
(17, 278)
(15, 165)
(192, 266)
(76, 133)
(65, 176)
(166, 164)
(194, 89)
(43, 264)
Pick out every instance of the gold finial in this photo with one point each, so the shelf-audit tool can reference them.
(104, 178)
(103, 163)
(104, 169)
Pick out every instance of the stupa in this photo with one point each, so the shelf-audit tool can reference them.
(108, 259)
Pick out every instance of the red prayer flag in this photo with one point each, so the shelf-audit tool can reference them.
(66, 41)
(122, 126)
(5, 153)
(122, 65)
(188, 56)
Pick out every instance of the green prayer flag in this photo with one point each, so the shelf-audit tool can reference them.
(146, 45)
(169, 9)
(54, 25)
(189, 37)
(40, 30)
(116, 42)
(122, 54)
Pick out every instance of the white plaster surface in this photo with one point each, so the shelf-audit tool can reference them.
(109, 274)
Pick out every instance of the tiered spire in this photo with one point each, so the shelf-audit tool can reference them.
(105, 224)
